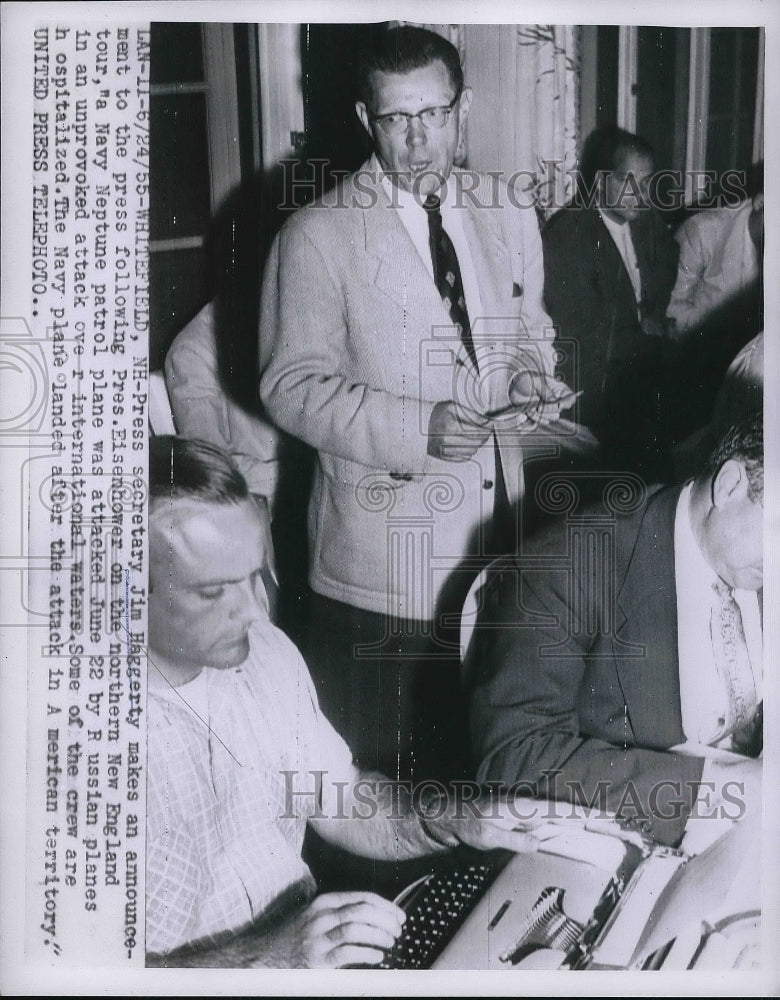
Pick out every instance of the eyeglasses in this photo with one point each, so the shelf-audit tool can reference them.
(398, 122)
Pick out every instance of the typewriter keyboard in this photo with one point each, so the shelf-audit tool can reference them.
(434, 911)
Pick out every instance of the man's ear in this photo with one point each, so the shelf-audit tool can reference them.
(729, 483)
(362, 113)
(465, 105)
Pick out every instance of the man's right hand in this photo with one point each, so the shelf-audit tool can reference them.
(342, 928)
(455, 432)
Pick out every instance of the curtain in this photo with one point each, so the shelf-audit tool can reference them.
(547, 109)
(524, 118)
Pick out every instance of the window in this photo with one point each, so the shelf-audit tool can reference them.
(195, 161)
(695, 93)
(734, 56)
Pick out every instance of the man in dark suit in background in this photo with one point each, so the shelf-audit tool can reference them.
(610, 266)
(618, 657)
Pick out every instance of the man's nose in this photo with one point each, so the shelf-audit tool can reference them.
(415, 133)
(249, 602)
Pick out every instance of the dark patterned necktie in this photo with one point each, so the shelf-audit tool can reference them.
(732, 659)
(446, 274)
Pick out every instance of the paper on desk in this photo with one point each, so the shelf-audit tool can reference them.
(672, 896)
(705, 887)
(591, 848)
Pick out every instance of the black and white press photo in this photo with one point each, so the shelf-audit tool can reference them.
(388, 553)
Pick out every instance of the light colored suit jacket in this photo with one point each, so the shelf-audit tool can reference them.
(357, 348)
(202, 408)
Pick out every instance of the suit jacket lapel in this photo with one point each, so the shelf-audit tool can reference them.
(611, 268)
(647, 617)
(490, 257)
(400, 272)
(403, 276)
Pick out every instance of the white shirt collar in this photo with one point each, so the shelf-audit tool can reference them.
(415, 220)
(687, 551)
(401, 198)
(703, 697)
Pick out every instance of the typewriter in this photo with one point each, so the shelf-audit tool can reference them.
(584, 901)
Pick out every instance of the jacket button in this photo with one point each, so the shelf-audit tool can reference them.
(487, 484)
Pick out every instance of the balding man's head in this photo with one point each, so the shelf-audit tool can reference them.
(206, 558)
(727, 508)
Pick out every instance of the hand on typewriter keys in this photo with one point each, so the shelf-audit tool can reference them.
(343, 928)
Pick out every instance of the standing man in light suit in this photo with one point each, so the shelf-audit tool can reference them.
(405, 340)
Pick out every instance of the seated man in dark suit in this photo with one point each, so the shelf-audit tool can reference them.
(623, 632)
(609, 267)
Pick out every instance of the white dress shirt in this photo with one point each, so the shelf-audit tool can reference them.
(231, 778)
(415, 220)
(718, 259)
(203, 409)
(621, 235)
(703, 695)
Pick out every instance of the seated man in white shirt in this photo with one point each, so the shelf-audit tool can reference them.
(619, 654)
(721, 253)
(717, 302)
(240, 757)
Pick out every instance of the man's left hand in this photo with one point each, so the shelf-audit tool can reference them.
(519, 824)
(652, 327)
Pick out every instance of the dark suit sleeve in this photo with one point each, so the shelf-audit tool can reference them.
(658, 254)
(572, 292)
(589, 297)
(531, 683)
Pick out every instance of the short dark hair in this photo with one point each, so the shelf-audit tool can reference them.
(603, 149)
(403, 49)
(743, 440)
(183, 468)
